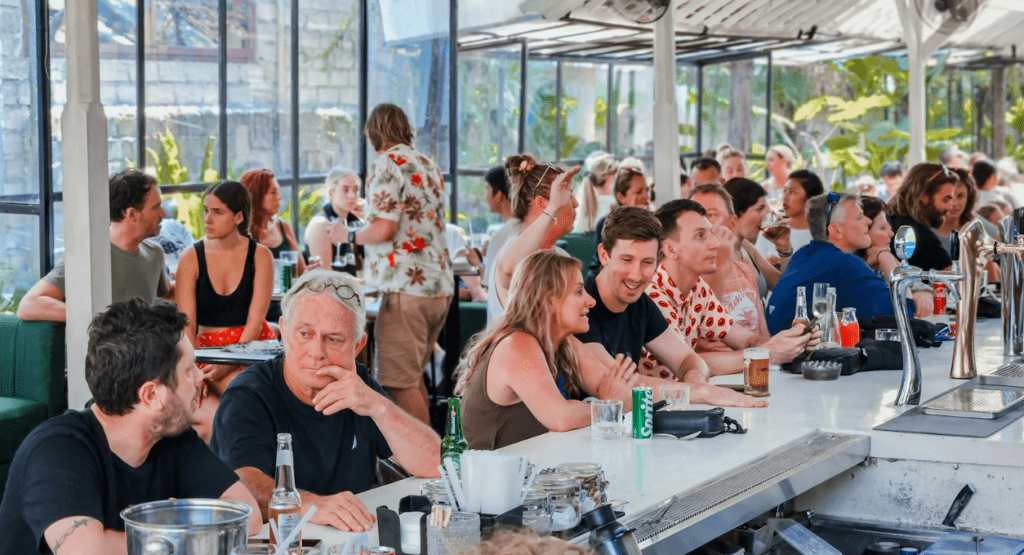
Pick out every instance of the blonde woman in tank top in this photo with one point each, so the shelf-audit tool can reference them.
(521, 377)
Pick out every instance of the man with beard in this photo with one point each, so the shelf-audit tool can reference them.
(922, 203)
(75, 473)
(136, 263)
(838, 229)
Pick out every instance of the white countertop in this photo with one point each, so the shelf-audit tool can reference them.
(645, 472)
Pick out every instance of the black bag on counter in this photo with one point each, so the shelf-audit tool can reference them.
(923, 331)
(682, 423)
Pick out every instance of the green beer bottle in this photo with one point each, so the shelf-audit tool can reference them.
(453, 444)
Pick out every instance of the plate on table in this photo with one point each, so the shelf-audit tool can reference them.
(256, 347)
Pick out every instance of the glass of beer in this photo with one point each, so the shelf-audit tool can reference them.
(755, 372)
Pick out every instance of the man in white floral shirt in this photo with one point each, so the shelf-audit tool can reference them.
(407, 255)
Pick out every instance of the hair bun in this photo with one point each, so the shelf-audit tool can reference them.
(519, 164)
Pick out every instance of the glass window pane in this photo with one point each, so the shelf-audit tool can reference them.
(540, 109)
(259, 94)
(585, 104)
(715, 111)
(182, 89)
(686, 104)
(409, 67)
(633, 122)
(19, 255)
(489, 88)
(19, 140)
(329, 134)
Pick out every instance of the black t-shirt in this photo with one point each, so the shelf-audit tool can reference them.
(331, 453)
(65, 468)
(928, 254)
(623, 332)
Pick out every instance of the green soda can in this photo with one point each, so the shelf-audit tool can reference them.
(286, 277)
(643, 412)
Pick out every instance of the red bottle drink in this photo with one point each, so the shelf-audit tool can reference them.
(849, 329)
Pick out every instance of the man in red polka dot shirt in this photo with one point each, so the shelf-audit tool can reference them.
(689, 251)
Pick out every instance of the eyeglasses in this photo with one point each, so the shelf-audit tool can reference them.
(833, 198)
(344, 291)
(944, 171)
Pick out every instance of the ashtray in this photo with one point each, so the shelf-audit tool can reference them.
(821, 370)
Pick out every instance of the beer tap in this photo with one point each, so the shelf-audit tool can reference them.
(976, 249)
(900, 279)
(1012, 287)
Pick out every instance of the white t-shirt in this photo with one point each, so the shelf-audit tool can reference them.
(510, 228)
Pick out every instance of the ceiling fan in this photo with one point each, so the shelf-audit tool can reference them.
(640, 11)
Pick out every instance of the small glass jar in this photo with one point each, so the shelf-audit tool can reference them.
(537, 511)
(592, 483)
(435, 492)
(564, 496)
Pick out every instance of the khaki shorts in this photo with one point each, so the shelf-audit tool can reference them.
(405, 332)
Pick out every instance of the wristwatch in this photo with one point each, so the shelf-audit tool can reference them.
(352, 235)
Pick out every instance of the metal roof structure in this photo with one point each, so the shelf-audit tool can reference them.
(796, 31)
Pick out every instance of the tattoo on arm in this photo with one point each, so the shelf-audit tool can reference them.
(74, 526)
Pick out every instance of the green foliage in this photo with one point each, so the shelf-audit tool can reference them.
(309, 204)
(8, 275)
(543, 127)
(1015, 121)
(167, 162)
(862, 137)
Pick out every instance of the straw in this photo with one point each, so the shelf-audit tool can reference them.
(448, 487)
(526, 488)
(282, 547)
(453, 475)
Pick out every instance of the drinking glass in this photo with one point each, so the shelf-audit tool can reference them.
(605, 419)
(819, 300)
(462, 533)
(676, 397)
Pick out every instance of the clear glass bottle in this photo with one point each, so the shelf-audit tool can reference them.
(800, 315)
(285, 501)
(830, 337)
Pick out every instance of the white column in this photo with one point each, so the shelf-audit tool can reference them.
(916, 57)
(666, 117)
(86, 200)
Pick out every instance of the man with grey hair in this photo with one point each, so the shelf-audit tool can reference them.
(340, 418)
(342, 188)
(838, 229)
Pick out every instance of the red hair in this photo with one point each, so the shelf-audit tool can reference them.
(258, 183)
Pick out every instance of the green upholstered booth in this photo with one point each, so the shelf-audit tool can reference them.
(33, 385)
(580, 245)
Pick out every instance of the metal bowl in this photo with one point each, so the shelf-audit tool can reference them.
(821, 370)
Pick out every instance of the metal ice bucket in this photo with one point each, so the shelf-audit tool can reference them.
(186, 527)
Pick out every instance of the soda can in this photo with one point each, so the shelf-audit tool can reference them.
(643, 412)
(286, 276)
(939, 297)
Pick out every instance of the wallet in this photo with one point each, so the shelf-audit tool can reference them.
(681, 423)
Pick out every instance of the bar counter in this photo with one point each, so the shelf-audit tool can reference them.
(648, 474)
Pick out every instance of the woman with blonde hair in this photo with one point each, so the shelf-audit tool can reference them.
(522, 373)
(595, 195)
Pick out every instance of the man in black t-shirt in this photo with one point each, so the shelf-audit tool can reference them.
(75, 473)
(340, 419)
(624, 320)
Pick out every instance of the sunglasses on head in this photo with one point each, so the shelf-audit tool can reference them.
(833, 198)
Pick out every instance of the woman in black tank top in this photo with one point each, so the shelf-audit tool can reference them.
(223, 286)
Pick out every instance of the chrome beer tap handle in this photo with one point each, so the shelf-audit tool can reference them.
(900, 279)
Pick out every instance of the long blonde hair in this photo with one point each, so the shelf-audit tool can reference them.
(539, 284)
(599, 166)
